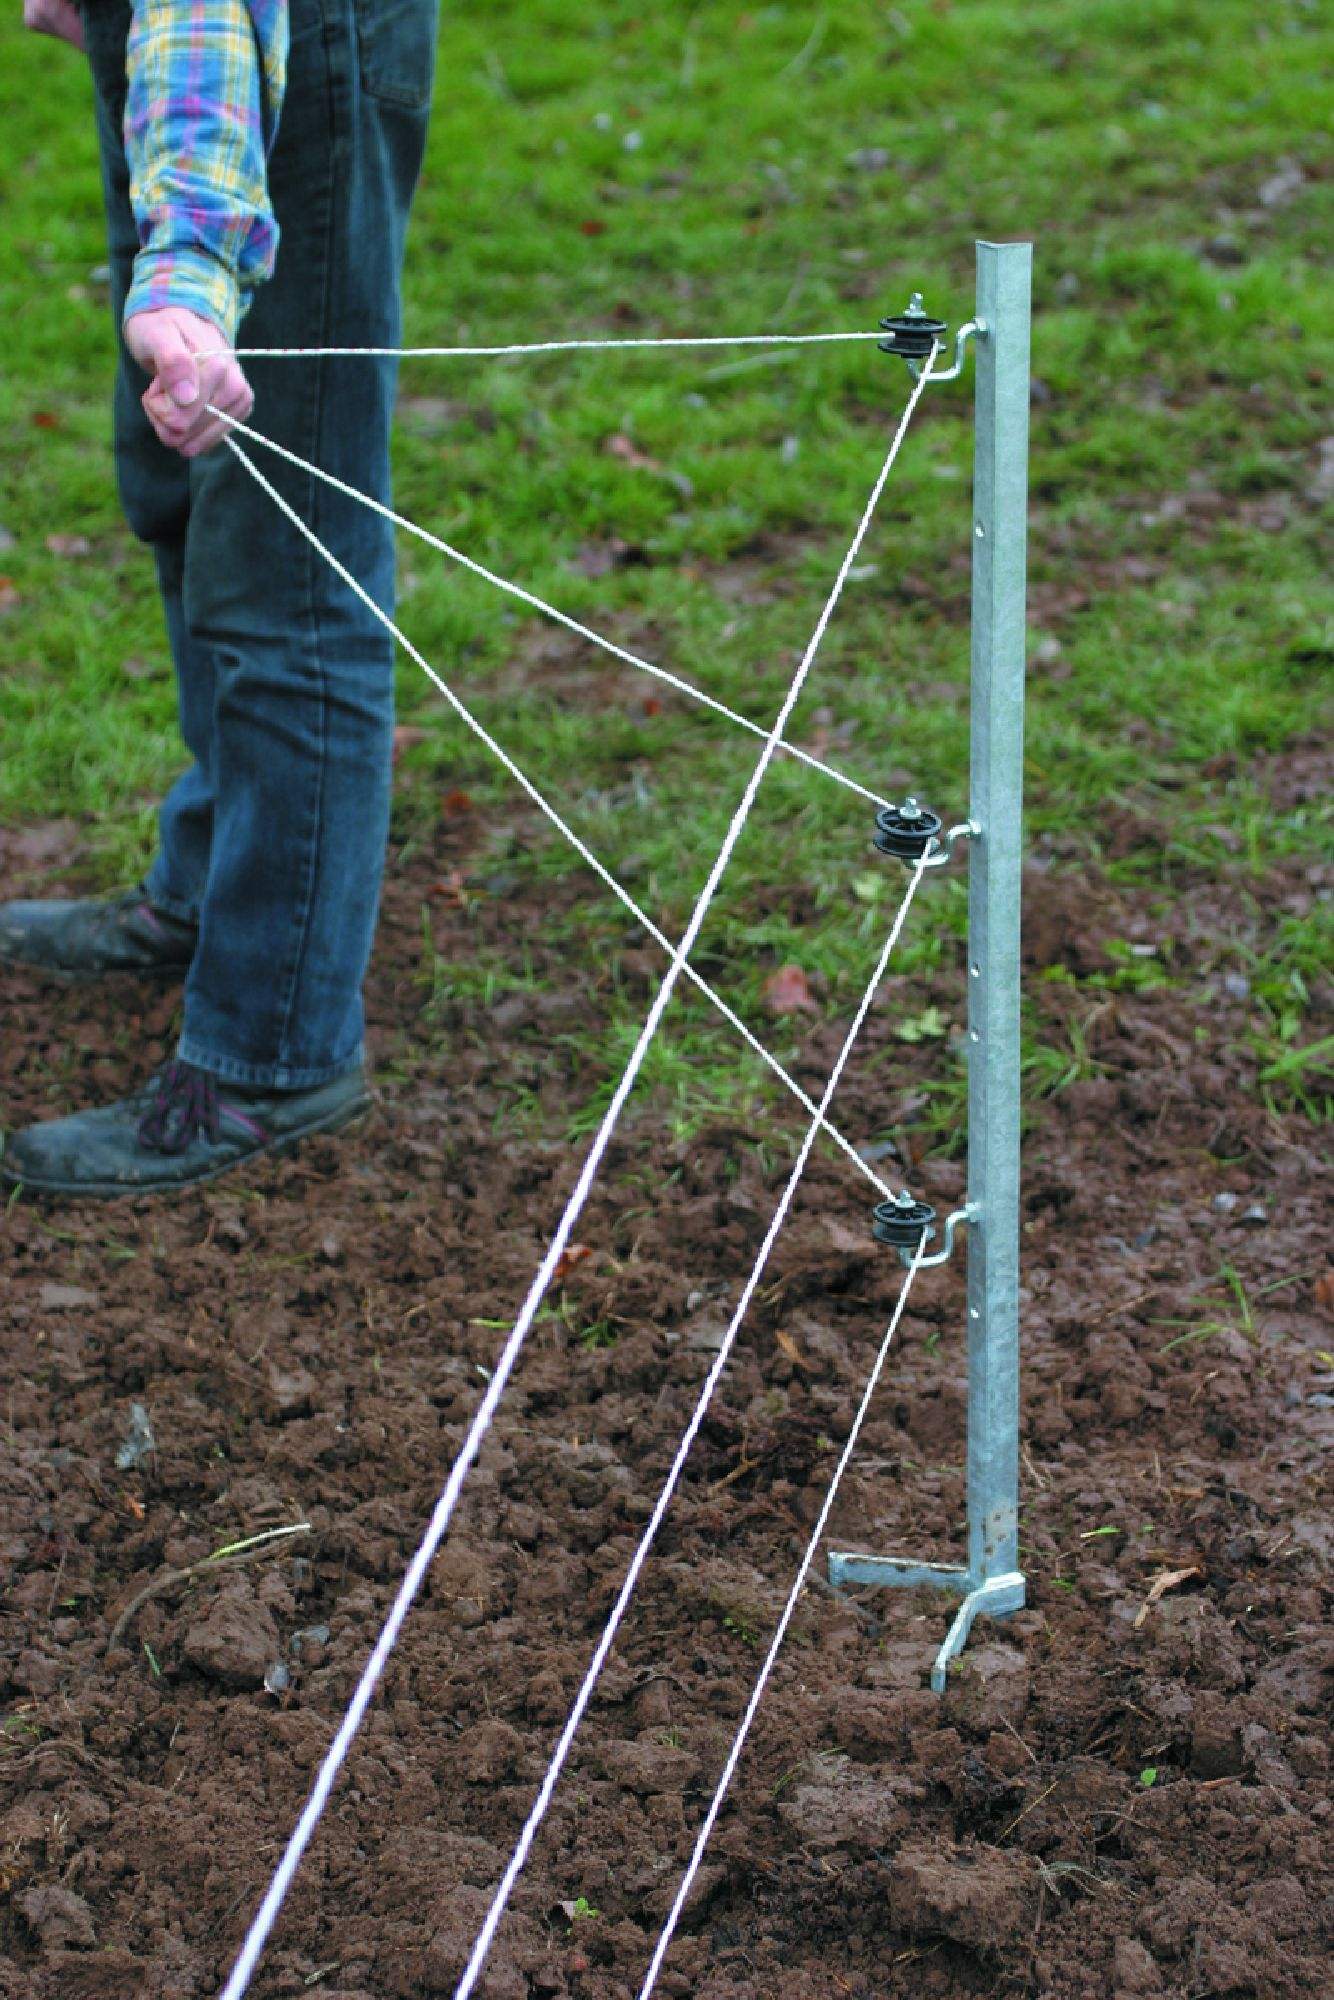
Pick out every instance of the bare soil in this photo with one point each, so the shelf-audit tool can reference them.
(1124, 1793)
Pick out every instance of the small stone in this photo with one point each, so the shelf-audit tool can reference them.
(65, 1298)
(1225, 1203)
(870, 159)
(1256, 1215)
(277, 1679)
(139, 1442)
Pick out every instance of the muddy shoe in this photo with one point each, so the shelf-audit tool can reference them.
(88, 939)
(185, 1127)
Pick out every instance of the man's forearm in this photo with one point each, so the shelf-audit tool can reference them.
(205, 85)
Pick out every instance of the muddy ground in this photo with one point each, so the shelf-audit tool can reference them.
(1125, 1793)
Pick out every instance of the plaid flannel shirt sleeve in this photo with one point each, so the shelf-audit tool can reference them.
(205, 88)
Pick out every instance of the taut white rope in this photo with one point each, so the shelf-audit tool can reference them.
(443, 1512)
(752, 1706)
(640, 1557)
(580, 847)
(545, 346)
(549, 610)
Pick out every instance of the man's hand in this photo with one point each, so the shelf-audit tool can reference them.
(60, 18)
(180, 350)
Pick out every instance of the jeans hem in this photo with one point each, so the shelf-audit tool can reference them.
(170, 906)
(265, 1076)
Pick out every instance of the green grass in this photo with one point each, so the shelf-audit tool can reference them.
(706, 168)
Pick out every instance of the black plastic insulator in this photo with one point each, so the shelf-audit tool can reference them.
(913, 333)
(902, 1222)
(906, 831)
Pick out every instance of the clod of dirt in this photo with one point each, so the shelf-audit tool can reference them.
(648, 1767)
(856, 1809)
(988, 1689)
(112, 1974)
(440, 1967)
(291, 1391)
(977, 1897)
(60, 1918)
(1134, 1974)
(490, 1753)
(1216, 1749)
(234, 1642)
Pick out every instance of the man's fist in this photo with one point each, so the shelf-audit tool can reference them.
(60, 18)
(180, 350)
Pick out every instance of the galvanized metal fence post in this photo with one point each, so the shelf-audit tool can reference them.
(992, 1581)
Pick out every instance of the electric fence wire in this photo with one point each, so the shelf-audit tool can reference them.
(542, 347)
(562, 826)
(552, 611)
(485, 1936)
(757, 1694)
(327, 1775)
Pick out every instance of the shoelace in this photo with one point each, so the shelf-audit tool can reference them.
(186, 1103)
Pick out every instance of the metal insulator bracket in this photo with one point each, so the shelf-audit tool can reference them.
(973, 329)
(946, 1251)
(947, 844)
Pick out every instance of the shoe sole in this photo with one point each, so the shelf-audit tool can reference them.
(337, 1121)
(70, 976)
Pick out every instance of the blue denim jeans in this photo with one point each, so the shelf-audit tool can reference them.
(273, 840)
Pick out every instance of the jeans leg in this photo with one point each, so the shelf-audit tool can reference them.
(303, 674)
(185, 818)
(155, 491)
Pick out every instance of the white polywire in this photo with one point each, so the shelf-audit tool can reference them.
(640, 1557)
(752, 1706)
(580, 847)
(327, 1775)
(544, 346)
(548, 610)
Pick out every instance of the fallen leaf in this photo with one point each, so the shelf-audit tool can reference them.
(788, 991)
(593, 227)
(68, 545)
(572, 1254)
(1167, 1579)
(136, 1507)
(9, 595)
(652, 706)
(457, 802)
(1324, 1290)
(792, 1351)
(450, 889)
(45, 420)
(620, 445)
